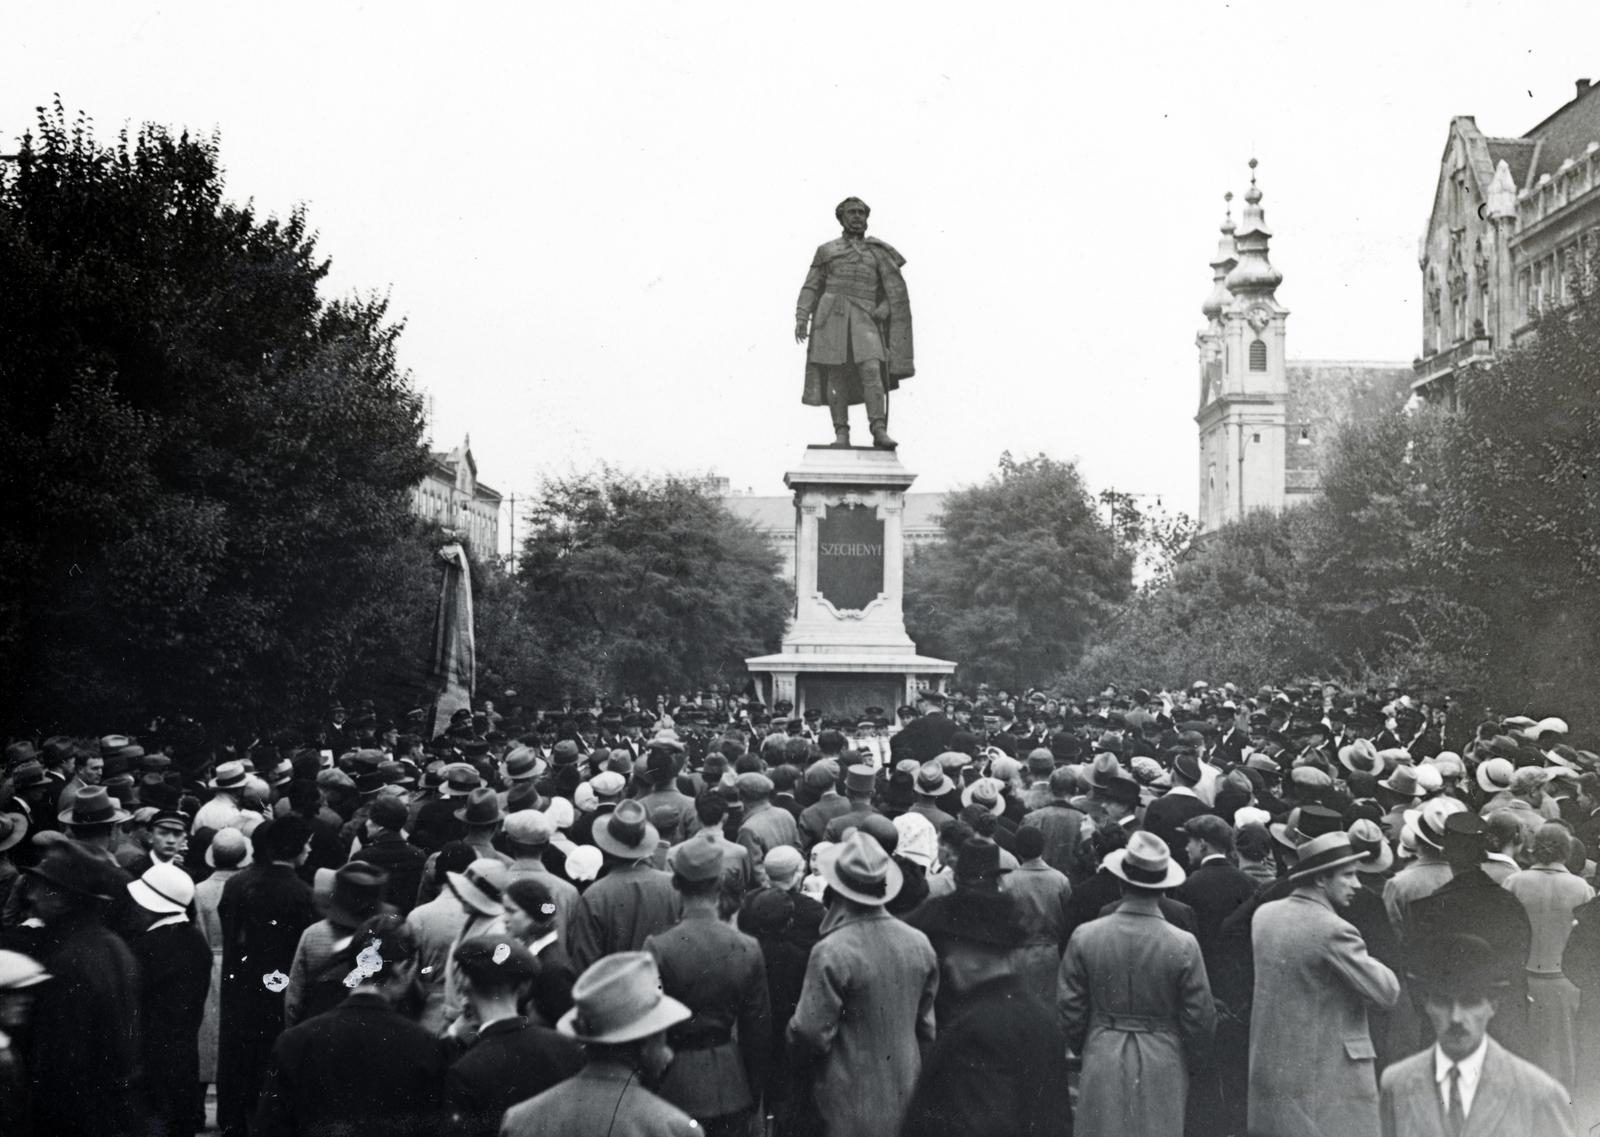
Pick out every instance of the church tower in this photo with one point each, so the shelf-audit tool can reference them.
(1244, 386)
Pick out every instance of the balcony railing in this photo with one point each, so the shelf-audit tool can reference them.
(1475, 349)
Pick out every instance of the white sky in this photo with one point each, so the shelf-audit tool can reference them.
(595, 217)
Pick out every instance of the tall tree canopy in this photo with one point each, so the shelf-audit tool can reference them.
(207, 485)
(1027, 570)
(638, 585)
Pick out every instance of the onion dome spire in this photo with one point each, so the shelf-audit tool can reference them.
(1225, 259)
(1254, 274)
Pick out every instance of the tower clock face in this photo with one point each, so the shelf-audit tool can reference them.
(1259, 318)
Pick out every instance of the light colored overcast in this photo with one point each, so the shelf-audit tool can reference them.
(595, 217)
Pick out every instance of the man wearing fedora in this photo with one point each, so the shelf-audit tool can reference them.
(481, 889)
(998, 1066)
(1311, 1052)
(85, 1056)
(222, 810)
(1471, 903)
(1134, 1002)
(358, 889)
(1429, 872)
(867, 1002)
(362, 1067)
(621, 1017)
(723, 1051)
(174, 976)
(1466, 1084)
(632, 901)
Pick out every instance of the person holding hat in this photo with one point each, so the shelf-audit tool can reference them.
(867, 1000)
(1311, 1053)
(1466, 1084)
(621, 1017)
(514, 1058)
(85, 1053)
(1133, 998)
(998, 1065)
(174, 976)
(263, 911)
(632, 901)
(363, 1067)
(724, 1051)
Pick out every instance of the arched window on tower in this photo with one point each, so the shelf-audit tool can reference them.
(1258, 356)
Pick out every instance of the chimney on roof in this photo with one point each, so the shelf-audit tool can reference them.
(1583, 87)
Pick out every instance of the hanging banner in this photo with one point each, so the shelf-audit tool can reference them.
(454, 670)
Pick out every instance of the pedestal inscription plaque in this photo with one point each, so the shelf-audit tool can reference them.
(850, 556)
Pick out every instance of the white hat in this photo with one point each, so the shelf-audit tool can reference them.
(164, 889)
(583, 863)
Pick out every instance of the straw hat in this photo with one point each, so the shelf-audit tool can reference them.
(1145, 861)
(1324, 853)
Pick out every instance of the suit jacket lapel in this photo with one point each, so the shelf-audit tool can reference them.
(1489, 1103)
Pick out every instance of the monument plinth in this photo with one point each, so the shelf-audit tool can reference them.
(847, 646)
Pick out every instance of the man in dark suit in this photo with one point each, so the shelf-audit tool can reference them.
(386, 846)
(1166, 815)
(1466, 1084)
(1471, 903)
(1215, 888)
(513, 1058)
(263, 910)
(361, 1067)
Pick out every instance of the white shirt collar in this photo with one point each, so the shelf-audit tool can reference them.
(1471, 1073)
(542, 942)
(1502, 857)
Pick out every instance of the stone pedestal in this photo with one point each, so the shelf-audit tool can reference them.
(847, 646)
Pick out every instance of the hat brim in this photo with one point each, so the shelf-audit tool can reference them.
(1374, 768)
(995, 810)
(118, 817)
(152, 901)
(893, 880)
(461, 815)
(213, 784)
(666, 1013)
(473, 896)
(211, 861)
(1383, 864)
(1300, 873)
(67, 885)
(1414, 793)
(1487, 786)
(601, 836)
(944, 787)
(1113, 865)
(1283, 835)
(18, 830)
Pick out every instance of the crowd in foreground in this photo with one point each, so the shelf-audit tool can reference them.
(1292, 913)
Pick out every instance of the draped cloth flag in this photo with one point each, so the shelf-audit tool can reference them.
(454, 669)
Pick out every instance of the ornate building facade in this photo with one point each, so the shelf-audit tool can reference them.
(1264, 419)
(1514, 220)
(451, 495)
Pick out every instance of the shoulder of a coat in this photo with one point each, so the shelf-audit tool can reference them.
(832, 248)
(888, 248)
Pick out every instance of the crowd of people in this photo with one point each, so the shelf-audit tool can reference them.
(1297, 912)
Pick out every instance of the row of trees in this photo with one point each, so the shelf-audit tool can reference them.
(1449, 550)
(209, 476)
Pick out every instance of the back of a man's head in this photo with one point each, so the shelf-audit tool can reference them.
(1063, 782)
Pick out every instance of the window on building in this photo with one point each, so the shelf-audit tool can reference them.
(1258, 356)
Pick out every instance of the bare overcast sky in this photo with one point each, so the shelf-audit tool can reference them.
(595, 217)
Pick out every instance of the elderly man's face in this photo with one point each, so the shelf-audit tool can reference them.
(854, 218)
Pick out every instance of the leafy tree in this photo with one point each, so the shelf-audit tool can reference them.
(1519, 516)
(1026, 572)
(210, 464)
(1157, 536)
(641, 585)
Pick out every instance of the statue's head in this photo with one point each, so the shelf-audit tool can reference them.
(852, 213)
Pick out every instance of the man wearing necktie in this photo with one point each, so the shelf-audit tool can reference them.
(1466, 1084)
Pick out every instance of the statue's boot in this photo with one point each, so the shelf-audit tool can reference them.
(878, 414)
(839, 411)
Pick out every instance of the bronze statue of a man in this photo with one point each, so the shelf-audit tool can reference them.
(855, 307)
